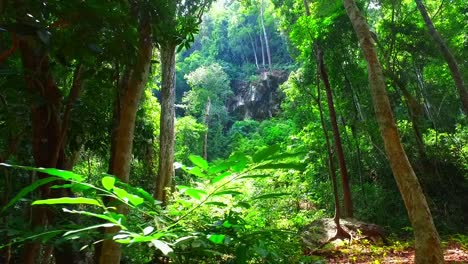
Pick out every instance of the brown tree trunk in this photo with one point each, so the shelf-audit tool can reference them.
(129, 99)
(166, 134)
(340, 232)
(452, 63)
(47, 131)
(348, 204)
(207, 117)
(427, 242)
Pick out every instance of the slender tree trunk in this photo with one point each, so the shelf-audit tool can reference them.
(348, 204)
(129, 99)
(427, 243)
(267, 45)
(452, 63)
(340, 232)
(207, 117)
(263, 51)
(254, 49)
(166, 135)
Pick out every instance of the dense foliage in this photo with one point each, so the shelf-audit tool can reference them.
(255, 145)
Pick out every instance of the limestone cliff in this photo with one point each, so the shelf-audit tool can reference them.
(257, 99)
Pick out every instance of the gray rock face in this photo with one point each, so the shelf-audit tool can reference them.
(257, 99)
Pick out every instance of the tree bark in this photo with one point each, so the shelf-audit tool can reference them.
(452, 63)
(348, 204)
(207, 117)
(340, 232)
(41, 84)
(427, 242)
(129, 98)
(166, 135)
(263, 51)
(267, 45)
(254, 49)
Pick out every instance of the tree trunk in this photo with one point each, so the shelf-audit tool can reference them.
(254, 49)
(427, 243)
(166, 135)
(340, 232)
(129, 98)
(452, 63)
(348, 204)
(47, 144)
(263, 51)
(267, 45)
(207, 117)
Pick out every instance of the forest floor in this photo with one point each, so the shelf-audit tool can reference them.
(397, 253)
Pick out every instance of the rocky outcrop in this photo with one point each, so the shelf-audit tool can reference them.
(257, 99)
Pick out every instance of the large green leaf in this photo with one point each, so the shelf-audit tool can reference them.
(254, 176)
(220, 177)
(68, 200)
(128, 197)
(227, 192)
(197, 172)
(66, 175)
(194, 193)
(100, 216)
(25, 191)
(294, 166)
(139, 191)
(265, 153)
(216, 238)
(199, 161)
(108, 182)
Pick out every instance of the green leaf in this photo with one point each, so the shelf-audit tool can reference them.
(108, 182)
(161, 245)
(228, 192)
(220, 177)
(294, 166)
(66, 175)
(244, 205)
(270, 195)
(216, 238)
(265, 153)
(194, 193)
(27, 190)
(68, 200)
(199, 161)
(197, 172)
(88, 228)
(239, 162)
(221, 166)
(219, 204)
(100, 216)
(127, 197)
(254, 176)
(139, 191)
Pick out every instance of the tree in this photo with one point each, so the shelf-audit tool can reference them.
(207, 99)
(428, 248)
(178, 22)
(130, 89)
(451, 62)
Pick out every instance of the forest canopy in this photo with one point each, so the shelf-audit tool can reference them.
(252, 131)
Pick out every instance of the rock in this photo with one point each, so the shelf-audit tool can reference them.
(319, 232)
(257, 99)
